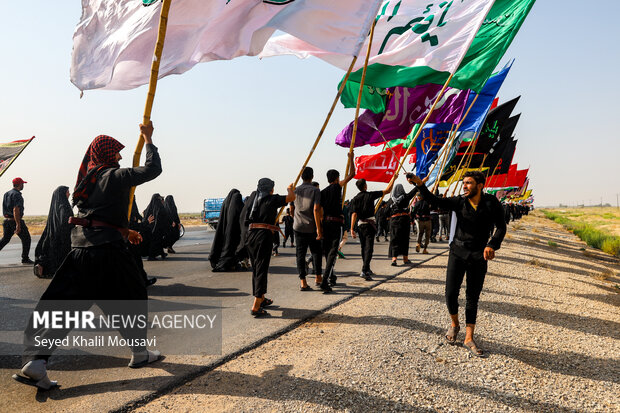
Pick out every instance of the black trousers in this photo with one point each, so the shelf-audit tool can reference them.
(9, 226)
(95, 275)
(331, 241)
(476, 268)
(367, 234)
(259, 245)
(288, 234)
(305, 240)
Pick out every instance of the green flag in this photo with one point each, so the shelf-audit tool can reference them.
(488, 47)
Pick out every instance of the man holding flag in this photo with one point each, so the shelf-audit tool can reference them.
(476, 214)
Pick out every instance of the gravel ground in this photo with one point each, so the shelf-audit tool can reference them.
(548, 319)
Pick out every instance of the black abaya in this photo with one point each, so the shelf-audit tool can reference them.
(223, 255)
(55, 242)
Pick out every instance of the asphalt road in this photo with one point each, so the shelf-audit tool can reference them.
(104, 383)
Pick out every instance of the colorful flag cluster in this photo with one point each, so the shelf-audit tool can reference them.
(429, 76)
(417, 48)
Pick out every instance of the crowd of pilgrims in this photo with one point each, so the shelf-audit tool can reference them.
(101, 259)
(159, 225)
(403, 216)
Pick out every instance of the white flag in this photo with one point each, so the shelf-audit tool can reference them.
(409, 35)
(114, 41)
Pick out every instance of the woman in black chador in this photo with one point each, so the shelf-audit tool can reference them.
(158, 226)
(99, 269)
(400, 223)
(173, 234)
(223, 255)
(55, 242)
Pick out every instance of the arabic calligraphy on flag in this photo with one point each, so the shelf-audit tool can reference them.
(406, 107)
(379, 167)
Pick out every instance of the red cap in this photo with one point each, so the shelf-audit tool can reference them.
(18, 181)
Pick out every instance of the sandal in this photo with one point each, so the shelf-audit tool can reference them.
(452, 334)
(306, 288)
(266, 302)
(473, 349)
(260, 313)
(408, 262)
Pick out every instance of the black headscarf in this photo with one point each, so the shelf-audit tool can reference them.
(55, 242)
(154, 207)
(264, 188)
(171, 209)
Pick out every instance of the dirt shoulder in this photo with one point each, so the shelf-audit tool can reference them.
(548, 318)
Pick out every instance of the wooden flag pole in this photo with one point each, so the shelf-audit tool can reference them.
(320, 135)
(453, 137)
(16, 156)
(412, 144)
(359, 102)
(159, 47)
(465, 156)
(444, 159)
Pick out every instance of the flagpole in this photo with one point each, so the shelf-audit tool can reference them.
(357, 108)
(469, 157)
(453, 137)
(15, 157)
(444, 159)
(424, 122)
(465, 155)
(150, 97)
(320, 135)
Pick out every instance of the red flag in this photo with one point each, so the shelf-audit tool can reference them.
(380, 167)
(494, 104)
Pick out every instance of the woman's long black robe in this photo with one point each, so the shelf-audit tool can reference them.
(55, 242)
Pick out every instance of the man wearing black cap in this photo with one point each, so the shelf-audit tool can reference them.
(13, 211)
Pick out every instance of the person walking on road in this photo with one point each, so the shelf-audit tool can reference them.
(307, 227)
(400, 223)
(476, 214)
(363, 209)
(333, 220)
(55, 242)
(422, 212)
(260, 217)
(13, 211)
(99, 269)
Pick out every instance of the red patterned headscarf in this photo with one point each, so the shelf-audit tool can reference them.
(100, 154)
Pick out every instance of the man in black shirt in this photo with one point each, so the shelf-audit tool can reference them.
(13, 211)
(363, 208)
(333, 220)
(476, 214)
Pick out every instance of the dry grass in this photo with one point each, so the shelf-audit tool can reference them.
(538, 263)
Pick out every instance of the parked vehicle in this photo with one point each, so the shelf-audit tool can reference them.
(211, 211)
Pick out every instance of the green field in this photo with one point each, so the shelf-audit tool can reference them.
(598, 227)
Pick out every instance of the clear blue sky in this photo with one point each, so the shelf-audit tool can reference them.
(226, 124)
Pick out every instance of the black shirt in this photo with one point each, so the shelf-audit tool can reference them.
(364, 204)
(267, 210)
(473, 226)
(422, 210)
(331, 201)
(12, 199)
(288, 222)
(109, 201)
